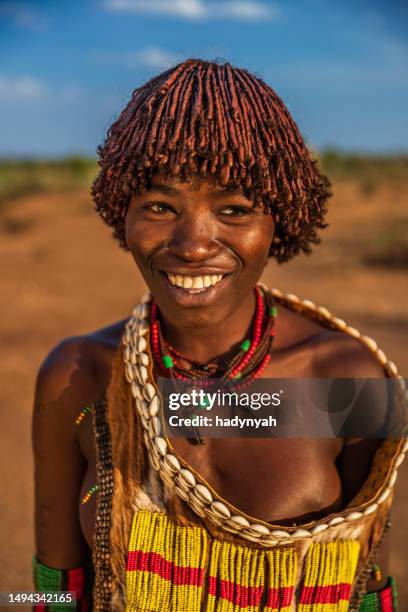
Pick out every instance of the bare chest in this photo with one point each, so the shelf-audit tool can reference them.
(282, 481)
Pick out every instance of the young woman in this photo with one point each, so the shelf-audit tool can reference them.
(203, 177)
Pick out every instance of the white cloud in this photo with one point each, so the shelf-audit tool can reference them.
(17, 88)
(245, 10)
(23, 15)
(149, 57)
(28, 89)
(198, 9)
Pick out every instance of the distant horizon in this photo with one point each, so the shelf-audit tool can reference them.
(21, 158)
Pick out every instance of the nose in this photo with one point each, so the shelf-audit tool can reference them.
(194, 239)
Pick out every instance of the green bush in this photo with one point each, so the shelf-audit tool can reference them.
(21, 178)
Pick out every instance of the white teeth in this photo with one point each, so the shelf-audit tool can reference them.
(194, 282)
(198, 282)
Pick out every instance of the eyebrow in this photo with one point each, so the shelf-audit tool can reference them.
(227, 192)
(173, 191)
(165, 190)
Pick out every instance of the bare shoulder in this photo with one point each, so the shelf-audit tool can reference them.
(340, 355)
(77, 370)
(334, 353)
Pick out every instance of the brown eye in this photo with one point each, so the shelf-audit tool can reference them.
(237, 211)
(160, 208)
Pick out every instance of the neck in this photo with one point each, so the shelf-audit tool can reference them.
(204, 344)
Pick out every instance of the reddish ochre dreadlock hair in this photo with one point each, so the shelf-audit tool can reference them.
(207, 119)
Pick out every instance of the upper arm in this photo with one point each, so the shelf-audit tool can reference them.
(59, 466)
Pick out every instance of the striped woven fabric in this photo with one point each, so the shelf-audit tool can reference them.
(248, 580)
(329, 575)
(165, 564)
(179, 569)
(382, 601)
(78, 581)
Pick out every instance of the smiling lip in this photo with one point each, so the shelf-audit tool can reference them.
(198, 295)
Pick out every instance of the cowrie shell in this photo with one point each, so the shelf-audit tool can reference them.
(240, 522)
(154, 427)
(142, 374)
(129, 373)
(336, 520)
(149, 391)
(172, 462)
(141, 345)
(144, 359)
(203, 493)
(302, 533)
(187, 477)
(319, 529)
(136, 391)
(353, 516)
(154, 406)
(220, 510)
(259, 529)
(161, 446)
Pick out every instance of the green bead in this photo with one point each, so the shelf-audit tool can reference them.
(238, 375)
(203, 405)
(167, 361)
(273, 311)
(245, 345)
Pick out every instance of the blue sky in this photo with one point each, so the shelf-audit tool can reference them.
(68, 67)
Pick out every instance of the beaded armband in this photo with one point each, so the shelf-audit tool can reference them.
(78, 580)
(385, 600)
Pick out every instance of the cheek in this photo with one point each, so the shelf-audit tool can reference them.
(140, 238)
(256, 242)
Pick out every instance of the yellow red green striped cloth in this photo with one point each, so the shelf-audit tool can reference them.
(329, 574)
(385, 600)
(180, 569)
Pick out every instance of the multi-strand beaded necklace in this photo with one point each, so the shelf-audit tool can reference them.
(236, 373)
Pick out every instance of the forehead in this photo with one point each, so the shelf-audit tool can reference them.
(194, 184)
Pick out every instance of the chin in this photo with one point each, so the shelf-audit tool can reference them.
(194, 317)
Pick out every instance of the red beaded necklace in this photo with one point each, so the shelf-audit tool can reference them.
(246, 365)
(237, 373)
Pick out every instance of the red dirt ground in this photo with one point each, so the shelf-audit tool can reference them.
(63, 275)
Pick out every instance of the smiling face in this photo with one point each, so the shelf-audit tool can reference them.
(200, 248)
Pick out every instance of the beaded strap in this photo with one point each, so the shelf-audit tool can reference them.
(360, 586)
(83, 414)
(89, 494)
(78, 580)
(104, 476)
(385, 600)
(86, 410)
